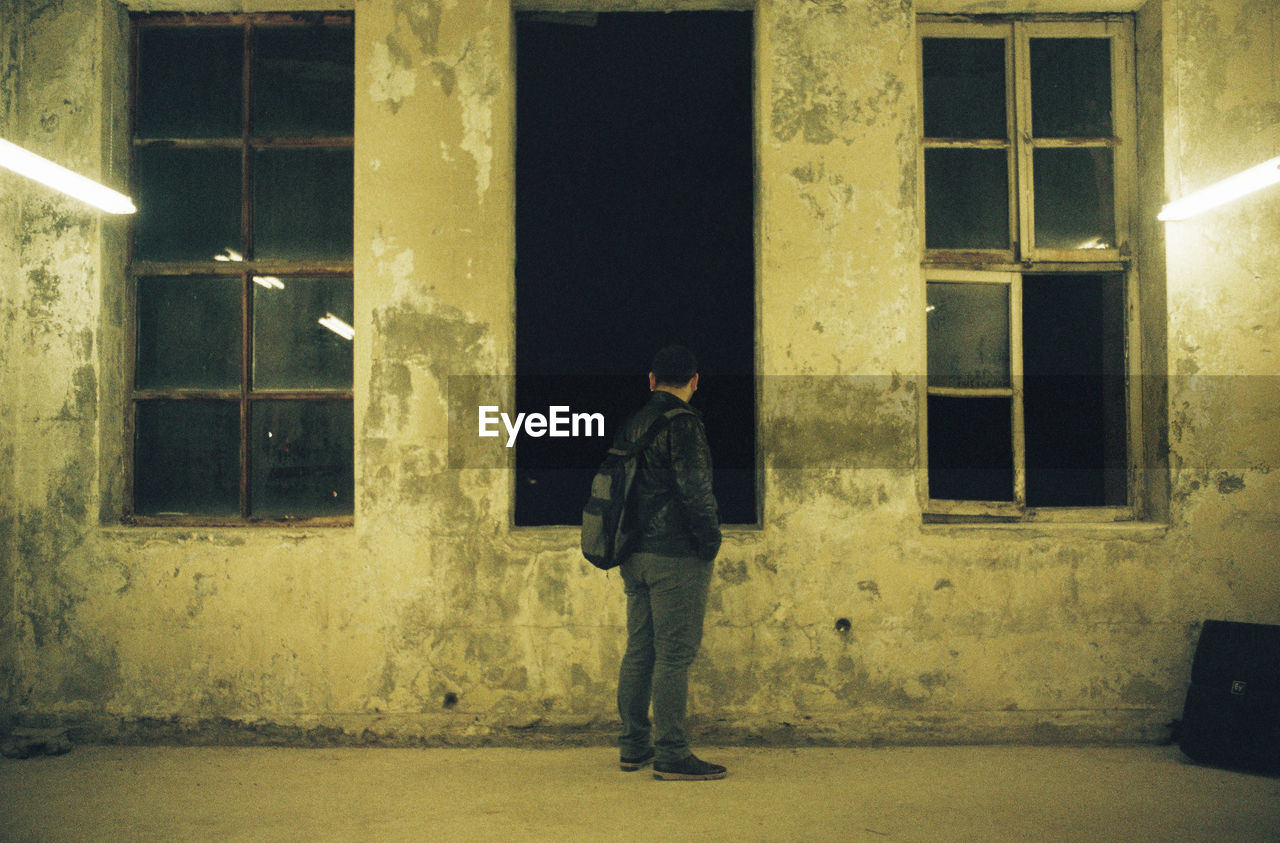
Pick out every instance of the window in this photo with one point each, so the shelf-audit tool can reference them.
(1026, 148)
(634, 229)
(241, 268)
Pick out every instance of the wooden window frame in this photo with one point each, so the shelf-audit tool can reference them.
(1013, 282)
(1016, 35)
(244, 269)
(988, 30)
(1008, 266)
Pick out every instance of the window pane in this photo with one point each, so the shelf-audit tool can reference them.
(1074, 199)
(292, 348)
(188, 333)
(187, 458)
(188, 203)
(302, 204)
(302, 458)
(1073, 354)
(189, 82)
(966, 198)
(304, 81)
(968, 335)
(970, 449)
(1071, 87)
(964, 88)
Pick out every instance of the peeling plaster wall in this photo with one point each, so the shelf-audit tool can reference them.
(54, 79)
(433, 620)
(1222, 87)
(11, 191)
(1149, 260)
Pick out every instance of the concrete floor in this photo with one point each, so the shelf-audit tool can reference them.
(907, 793)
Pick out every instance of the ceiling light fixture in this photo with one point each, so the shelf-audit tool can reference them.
(1219, 193)
(24, 163)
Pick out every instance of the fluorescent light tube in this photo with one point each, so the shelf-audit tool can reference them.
(1254, 178)
(46, 172)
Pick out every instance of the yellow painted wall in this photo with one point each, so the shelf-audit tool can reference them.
(957, 632)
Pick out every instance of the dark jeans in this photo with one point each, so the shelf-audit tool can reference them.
(666, 602)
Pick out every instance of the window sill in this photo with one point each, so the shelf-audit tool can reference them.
(185, 522)
(1103, 524)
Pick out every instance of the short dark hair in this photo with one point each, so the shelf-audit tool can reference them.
(674, 365)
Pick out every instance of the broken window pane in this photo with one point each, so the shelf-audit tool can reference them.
(297, 344)
(302, 458)
(1071, 87)
(968, 335)
(1074, 199)
(964, 88)
(302, 204)
(189, 203)
(189, 82)
(966, 198)
(188, 458)
(970, 449)
(188, 333)
(304, 83)
(1074, 404)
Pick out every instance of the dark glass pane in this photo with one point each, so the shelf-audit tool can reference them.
(964, 88)
(297, 344)
(302, 202)
(966, 198)
(302, 458)
(188, 203)
(1074, 405)
(1071, 87)
(970, 449)
(187, 458)
(188, 333)
(189, 82)
(1074, 199)
(968, 335)
(304, 81)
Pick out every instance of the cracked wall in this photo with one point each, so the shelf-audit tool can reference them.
(841, 618)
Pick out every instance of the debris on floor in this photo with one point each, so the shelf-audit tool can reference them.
(24, 743)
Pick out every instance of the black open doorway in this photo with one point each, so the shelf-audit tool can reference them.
(634, 229)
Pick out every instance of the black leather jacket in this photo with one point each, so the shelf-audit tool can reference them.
(672, 495)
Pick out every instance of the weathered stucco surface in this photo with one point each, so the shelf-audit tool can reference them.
(842, 618)
(10, 208)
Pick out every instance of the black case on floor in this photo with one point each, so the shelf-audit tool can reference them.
(1232, 714)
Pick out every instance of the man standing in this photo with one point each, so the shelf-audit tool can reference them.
(668, 576)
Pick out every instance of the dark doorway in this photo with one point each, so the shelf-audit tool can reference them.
(634, 229)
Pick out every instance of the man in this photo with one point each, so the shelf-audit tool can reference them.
(668, 576)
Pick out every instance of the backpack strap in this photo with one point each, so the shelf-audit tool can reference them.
(651, 434)
(636, 451)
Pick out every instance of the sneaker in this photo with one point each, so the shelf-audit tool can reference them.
(630, 765)
(688, 769)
